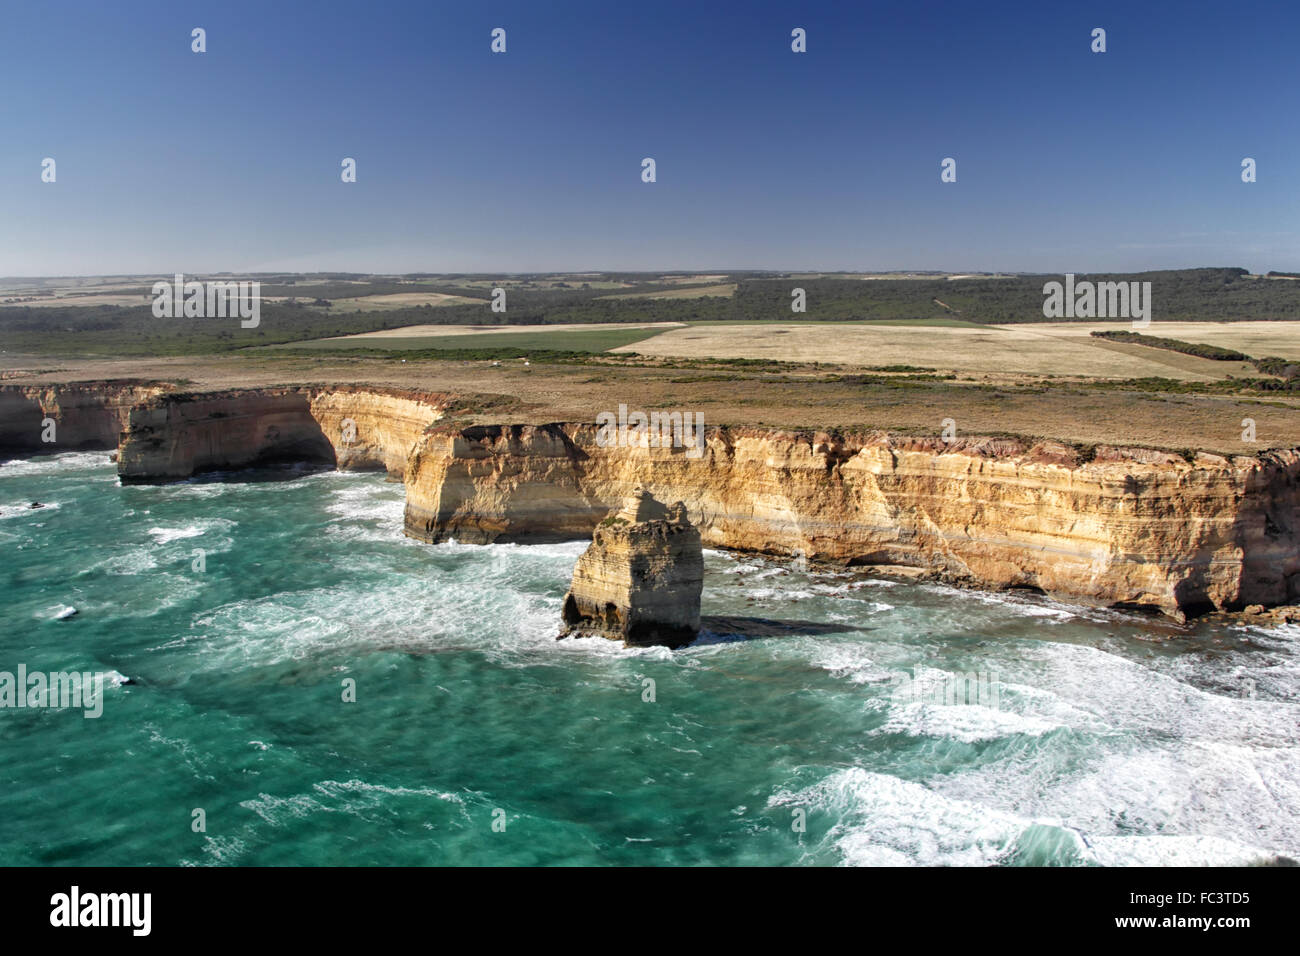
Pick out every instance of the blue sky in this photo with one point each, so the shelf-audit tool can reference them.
(467, 160)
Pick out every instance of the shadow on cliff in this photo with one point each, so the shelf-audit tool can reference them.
(722, 628)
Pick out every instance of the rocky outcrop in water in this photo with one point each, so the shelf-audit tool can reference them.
(641, 578)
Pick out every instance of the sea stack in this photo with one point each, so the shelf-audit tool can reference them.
(641, 578)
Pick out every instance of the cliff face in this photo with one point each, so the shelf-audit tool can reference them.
(1129, 527)
(175, 436)
(1125, 527)
(640, 580)
(85, 414)
(375, 428)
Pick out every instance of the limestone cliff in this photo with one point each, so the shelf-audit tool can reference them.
(178, 435)
(641, 578)
(1128, 527)
(85, 414)
(1119, 526)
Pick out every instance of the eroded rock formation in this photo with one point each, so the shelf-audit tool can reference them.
(178, 435)
(86, 415)
(641, 578)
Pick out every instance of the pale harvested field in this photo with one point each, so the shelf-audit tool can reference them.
(438, 331)
(894, 275)
(1257, 339)
(399, 300)
(28, 286)
(570, 281)
(680, 280)
(725, 290)
(995, 350)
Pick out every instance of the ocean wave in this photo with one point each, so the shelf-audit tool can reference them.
(219, 851)
(1124, 787)
(24, 509)
(851, 661)
(353, 797)
(883, 820)
(164, 535)
(1026, 604)
(1175, 851)
(1147, 699)
(967, 723)
(42, 465)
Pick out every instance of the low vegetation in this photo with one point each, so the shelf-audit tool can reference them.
(1174, 345)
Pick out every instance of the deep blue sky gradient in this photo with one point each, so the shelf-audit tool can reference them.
(1067, 160)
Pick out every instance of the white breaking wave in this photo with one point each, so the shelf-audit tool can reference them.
(967, 723)
(852, 661)
(55, 464)
(164, 535)
(882, 820)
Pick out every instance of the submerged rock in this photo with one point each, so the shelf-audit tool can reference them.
(641, 578)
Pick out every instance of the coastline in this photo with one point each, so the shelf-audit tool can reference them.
(1114, 526)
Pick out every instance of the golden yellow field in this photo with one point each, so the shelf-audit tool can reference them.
(398, 300)
(1037, 349)
(680, 280)
(1256, 339)
(438, 331)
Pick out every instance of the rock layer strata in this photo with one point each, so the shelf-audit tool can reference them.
(85, 415)
(174, 436)
(1122, 526)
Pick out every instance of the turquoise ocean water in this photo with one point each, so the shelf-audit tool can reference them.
(1112, 739)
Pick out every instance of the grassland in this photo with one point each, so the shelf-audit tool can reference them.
(1040, 350)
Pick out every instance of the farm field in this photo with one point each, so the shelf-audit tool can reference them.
(580, 338)
(1257, 339)
(1037, 349)
(438, 331)
(399, 300)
